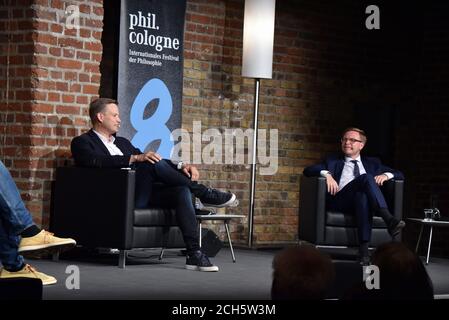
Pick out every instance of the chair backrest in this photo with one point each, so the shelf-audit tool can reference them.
(87, 201)
(96, 206)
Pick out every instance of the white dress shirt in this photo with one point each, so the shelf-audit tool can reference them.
(109, 144)
(347, 175)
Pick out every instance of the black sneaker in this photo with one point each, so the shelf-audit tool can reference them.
(364, 260)
(219, 199)
(198, 261)
(204, 212)
(396, 227)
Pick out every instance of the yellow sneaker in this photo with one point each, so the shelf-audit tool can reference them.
(28, 272)
(45, 240)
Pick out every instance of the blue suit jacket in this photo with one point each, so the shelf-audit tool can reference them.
(89, 151)
(335, 164)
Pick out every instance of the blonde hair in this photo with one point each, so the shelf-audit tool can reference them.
(360, 131)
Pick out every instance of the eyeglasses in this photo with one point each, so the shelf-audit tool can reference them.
(350, 140)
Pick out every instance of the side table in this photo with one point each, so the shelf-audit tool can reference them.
(226, 218)
(430, 223)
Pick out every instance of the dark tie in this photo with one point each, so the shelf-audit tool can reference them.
(356, 168)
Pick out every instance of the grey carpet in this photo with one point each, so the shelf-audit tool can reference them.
(148, 278)
(248, 278)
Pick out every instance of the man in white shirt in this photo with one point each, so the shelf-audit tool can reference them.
(353, 186)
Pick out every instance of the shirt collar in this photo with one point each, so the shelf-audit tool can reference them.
(347, 159)
(103, 138)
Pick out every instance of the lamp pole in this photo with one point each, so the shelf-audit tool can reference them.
(257, 63)
(253, 165)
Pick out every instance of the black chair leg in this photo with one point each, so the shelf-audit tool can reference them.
(122, 259)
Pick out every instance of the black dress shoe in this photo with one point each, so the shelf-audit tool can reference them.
(396, 228)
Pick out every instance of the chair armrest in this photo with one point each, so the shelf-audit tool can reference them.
(312, 208)
(94, 206)
(393, 191)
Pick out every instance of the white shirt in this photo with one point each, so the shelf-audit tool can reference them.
(347, 175)
(109, 144)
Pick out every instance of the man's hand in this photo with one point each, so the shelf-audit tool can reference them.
(191, 171)
(380, 179)
(150, 156)
(332, 185)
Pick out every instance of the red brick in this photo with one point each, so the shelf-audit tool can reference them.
(93, 46)
(82, 77)
(68, 98)
(69, 42)
(90, 89)
(201, 19)
(54, 97)
(94, 23)
(85, 33)
(40, 25)
(91, 67)
(39, 72)
(47, 38)
(68, 75)
(83, 55)
(55, 51)
(56, 28)
(67, 110)
(69, 64)
(44, 108)
(82, 100)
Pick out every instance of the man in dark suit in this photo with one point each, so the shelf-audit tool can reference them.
(353, 186)
(101, 148)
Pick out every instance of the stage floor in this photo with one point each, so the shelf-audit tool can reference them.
(146, 277)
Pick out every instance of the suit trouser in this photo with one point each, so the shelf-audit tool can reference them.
(360, 197)
(162, 185)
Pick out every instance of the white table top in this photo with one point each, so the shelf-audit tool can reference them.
(219, 216)
(431, 222)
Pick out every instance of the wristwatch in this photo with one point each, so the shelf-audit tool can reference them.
(179, 165)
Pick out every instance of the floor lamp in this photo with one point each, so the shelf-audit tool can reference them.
(257, 63)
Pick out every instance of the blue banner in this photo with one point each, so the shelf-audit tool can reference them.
(150, 73)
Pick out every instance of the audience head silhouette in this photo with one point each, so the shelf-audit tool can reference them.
(402, 276)
(301, 273)
(402, 273)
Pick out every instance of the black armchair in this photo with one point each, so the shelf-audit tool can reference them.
(327, 228)
(96, 207)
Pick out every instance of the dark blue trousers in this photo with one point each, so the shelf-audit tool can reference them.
(361, 197)
(162, 185)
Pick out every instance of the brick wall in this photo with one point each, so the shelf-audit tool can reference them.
(48, 74)
(217, 95)
(16, 53)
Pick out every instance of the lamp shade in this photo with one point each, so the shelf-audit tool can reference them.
(258, 36)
